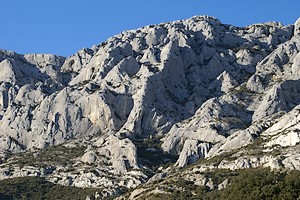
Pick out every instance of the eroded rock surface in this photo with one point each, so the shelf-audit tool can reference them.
(197, 86)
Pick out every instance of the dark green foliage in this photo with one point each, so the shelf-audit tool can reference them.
(263, 184)
(59, 154)
(6, 197)
(246, 184)
(151, 155)
(35, 188)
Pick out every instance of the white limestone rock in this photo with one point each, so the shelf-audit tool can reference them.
(7, 71)
(89, 157)
(135, 194)
(297, 27)
(223, 185)
(289, 121)
(291, 138)
(192, 151)
(281, 97)
(292, 161)
(227, 82)
(251, 162)
(285, 132)
(202, 87)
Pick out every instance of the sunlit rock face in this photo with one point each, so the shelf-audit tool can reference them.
(197, 86)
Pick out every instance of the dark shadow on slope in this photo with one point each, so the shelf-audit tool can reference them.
(150, 154)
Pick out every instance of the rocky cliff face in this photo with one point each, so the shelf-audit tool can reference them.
(179, 91)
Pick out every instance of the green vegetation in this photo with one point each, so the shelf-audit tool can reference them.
(59, 155)
(151, 155)
(35, 188)
(263, 184)
(256, 147)
(241, 89)
(247, 184)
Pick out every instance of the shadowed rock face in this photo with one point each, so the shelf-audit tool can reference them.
(200, 86)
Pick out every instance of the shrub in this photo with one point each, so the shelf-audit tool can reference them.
(36, 188)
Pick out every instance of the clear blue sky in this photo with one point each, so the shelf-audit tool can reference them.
(63, 26)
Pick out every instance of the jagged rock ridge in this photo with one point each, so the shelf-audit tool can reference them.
(198, 86)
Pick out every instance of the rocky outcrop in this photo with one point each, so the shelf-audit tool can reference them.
(197, 86)
(191, 152)
(297, 27)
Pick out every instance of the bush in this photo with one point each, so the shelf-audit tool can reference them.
(246, 184)
(59, 155)
(36, 188)
(262, 184)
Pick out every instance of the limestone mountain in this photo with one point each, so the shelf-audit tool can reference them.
(149, 101)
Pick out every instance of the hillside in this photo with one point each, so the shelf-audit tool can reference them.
(170, 100)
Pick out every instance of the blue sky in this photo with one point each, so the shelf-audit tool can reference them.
(63, 26)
